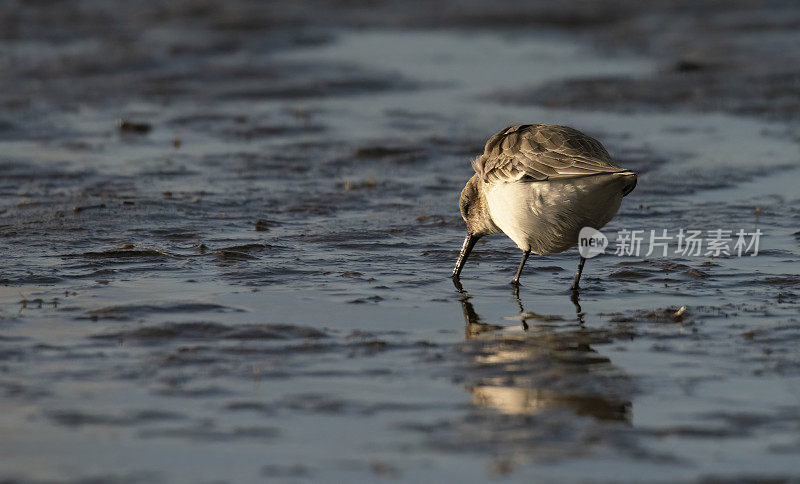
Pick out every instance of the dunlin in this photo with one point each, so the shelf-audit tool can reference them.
(541, 184)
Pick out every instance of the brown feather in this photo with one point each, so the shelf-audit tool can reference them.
(542, 152)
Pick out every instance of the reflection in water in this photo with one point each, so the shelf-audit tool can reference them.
(546, 364)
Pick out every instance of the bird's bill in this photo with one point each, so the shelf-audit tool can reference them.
(466, 248)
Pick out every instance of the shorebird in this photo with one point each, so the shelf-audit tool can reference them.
(541, 184)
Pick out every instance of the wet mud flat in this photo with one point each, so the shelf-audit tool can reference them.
(226, 231)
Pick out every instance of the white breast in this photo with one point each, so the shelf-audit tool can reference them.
(546, 216)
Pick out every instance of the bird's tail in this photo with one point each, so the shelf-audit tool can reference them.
(630, 181)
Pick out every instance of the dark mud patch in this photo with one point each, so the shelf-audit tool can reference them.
(18, 390)
(548, 268)
(339, 84)
(772, 95)
(365, 300)
(76, 418)
(128, 312)
(629, 275)
(326, 404)
(123, 254)
(212, 331)
(175, 234)
(109, 478)
(663, 268)
(251, 406)
(242, 252)
(209, 433)
(391, 154)
(274, 130)
(788, 281)
(273, 471)
(660, 315)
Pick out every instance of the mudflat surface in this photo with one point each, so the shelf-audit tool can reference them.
(248, 278)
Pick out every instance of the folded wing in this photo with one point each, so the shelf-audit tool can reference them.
(539, 152)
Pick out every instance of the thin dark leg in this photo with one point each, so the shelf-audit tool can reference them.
(521, 265)
(578, 274)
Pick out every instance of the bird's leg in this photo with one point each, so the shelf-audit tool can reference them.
(578, 274)
(459, 287)
(525, 255)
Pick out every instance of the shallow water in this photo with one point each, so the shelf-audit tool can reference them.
(257, 286)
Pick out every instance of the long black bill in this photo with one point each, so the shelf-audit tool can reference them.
(469, 243)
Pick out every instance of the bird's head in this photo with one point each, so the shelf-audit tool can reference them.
(475, 209)
(475, 212)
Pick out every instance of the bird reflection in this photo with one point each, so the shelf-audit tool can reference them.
(546, 363)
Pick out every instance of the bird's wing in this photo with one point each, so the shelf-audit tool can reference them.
(542, 152)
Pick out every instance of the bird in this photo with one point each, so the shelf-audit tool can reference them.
(540, 184)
